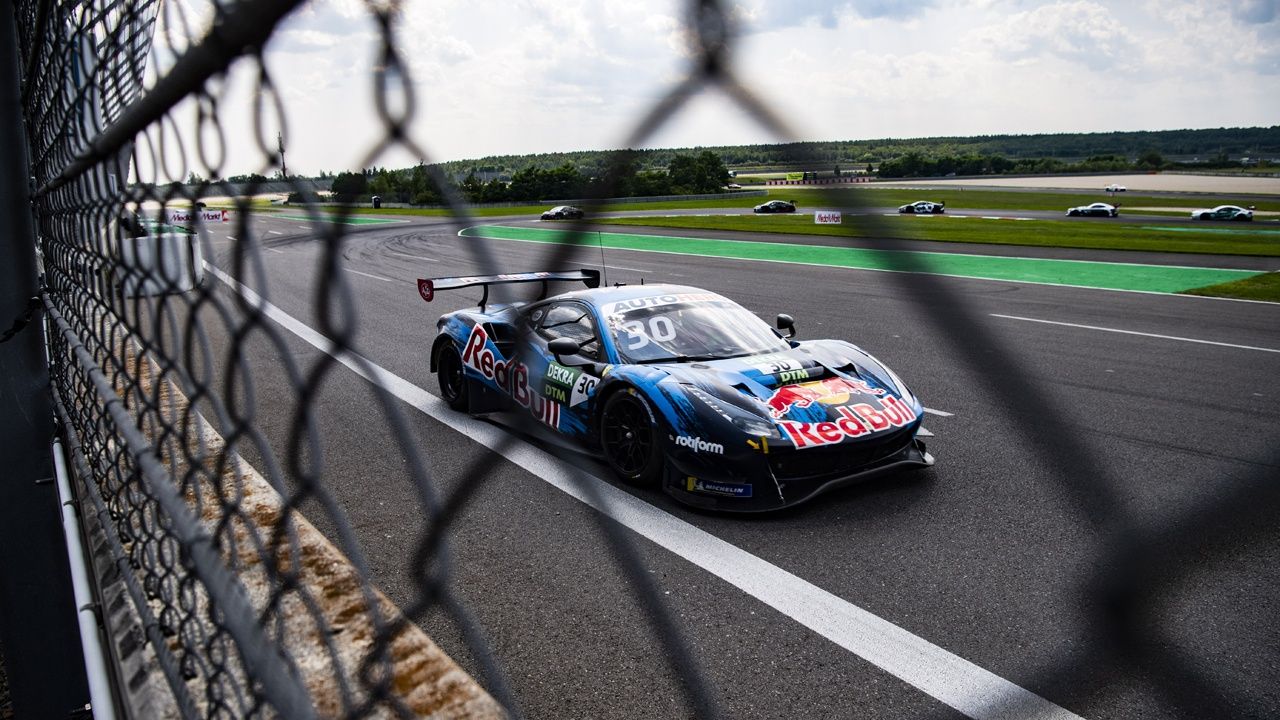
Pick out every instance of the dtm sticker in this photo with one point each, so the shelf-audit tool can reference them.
(711, 487)
(832, 391)
(568, 385)
(512, 377)
(698, 445)
(855, 421)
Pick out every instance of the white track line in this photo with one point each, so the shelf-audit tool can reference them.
(369, 275)
(274, 250)
(944, 676)
(275, 232)
(1135, 332)
(939, 413)
(415, 257)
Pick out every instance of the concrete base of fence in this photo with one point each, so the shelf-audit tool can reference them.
(334, 636)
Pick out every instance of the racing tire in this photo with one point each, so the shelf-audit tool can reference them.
(630, 439)
(454, 389)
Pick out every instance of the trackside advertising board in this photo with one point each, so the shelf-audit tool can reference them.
(189, 217)
(826, 217)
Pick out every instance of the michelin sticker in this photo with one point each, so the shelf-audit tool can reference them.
(717, 488)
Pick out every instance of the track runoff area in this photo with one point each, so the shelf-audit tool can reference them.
(913, 659)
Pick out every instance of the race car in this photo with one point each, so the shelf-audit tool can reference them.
(680, 388)
(1223, 212)
(923, 207)
(775, 206)
(563, 212)
(1098, 209)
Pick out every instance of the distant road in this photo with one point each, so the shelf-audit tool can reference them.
(1161, 182)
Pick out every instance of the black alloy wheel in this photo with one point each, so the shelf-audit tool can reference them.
(629, 438)
(453, 381)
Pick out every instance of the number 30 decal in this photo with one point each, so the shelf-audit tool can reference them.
(659, 328)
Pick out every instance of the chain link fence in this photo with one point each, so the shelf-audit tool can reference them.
(222, 599)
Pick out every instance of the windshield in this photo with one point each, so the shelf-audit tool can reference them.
(687, 327)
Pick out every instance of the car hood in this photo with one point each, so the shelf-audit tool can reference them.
(824, 381)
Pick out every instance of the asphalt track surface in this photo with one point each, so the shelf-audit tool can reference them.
(984, 556)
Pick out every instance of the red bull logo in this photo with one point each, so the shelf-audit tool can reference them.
(832, 391)
(853, 421)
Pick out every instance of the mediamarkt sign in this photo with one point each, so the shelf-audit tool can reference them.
(188, 217)
(826, 217)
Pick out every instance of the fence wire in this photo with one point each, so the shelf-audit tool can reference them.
(153, 383)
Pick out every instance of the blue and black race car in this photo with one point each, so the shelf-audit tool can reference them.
(680, 387)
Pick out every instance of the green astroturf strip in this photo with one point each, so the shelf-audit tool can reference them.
(1220, 231)
(353, 220)
(1078, 273)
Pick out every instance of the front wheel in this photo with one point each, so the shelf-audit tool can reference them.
(629, 438)
(453, 381)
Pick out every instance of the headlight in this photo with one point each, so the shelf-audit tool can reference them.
(745, 421)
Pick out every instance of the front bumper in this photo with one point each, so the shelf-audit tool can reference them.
(761, 489)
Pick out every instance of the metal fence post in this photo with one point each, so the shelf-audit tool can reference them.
(37, 613)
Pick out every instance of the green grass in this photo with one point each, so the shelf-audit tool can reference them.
(1075, 273)
(1259, 287)
(1099, 235)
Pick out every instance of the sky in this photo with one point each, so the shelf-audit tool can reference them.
(529, 76)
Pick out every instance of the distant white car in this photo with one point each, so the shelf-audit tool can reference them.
(1116, 188)
(1098, 209)
(1223, 212)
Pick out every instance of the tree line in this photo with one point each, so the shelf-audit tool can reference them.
(621, 176)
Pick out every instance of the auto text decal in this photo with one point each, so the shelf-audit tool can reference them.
(625, 306)
(512, 377)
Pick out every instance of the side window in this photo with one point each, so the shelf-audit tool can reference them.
(569, 320)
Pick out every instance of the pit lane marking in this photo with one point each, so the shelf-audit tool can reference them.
(944, 676)
(1135, 332)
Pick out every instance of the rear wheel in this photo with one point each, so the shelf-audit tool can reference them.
(453, 381)
(629, 438)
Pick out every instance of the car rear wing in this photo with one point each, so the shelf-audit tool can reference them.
(427, 287)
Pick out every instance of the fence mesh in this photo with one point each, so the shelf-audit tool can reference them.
(242, 609)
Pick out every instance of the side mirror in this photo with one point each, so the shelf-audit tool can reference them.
(788, 323)
(563, 346)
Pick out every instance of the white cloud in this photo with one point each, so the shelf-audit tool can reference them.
(543, 75)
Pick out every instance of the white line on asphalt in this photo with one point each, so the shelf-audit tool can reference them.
(281, 252)
(304, 227)
(948, 678)
(275, 232)
(369, 275)
(415, 257)
(632, 269)
(1135, 332)
(230, 238)
(939, 413)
